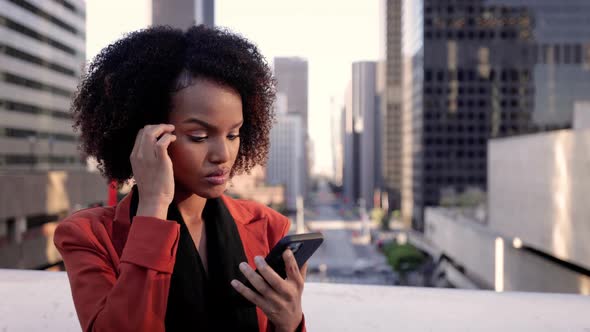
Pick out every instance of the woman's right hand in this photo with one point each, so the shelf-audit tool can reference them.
(152, 169)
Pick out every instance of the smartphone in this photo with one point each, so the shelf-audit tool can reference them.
(302, 245)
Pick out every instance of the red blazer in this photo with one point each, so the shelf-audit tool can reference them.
(120, 272)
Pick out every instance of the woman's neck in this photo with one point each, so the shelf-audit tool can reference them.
(191, 207)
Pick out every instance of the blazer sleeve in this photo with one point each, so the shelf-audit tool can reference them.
(130, 297)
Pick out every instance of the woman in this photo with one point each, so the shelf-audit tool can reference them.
(180, 113)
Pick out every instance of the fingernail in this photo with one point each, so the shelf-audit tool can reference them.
(289, 253)
(234, 283)
(259, 261)
(243, 266)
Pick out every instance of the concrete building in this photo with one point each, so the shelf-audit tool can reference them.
(42, 54)
(483, 69)
(182, 13)
(32, 203)
(291, 74)
(534, 237)
(42, 175)
(285, 160)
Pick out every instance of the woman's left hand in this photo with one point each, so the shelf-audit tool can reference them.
(279, 299)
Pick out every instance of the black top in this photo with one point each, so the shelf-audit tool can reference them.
(197, 300)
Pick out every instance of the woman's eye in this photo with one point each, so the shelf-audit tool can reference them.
(232, 137)
(197, 138)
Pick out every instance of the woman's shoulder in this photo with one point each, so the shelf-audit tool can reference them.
(85, 223)
(90, 215)
(248, 211)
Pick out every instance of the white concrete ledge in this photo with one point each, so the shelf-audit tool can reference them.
(41, 301)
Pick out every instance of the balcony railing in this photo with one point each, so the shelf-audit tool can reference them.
(41, 301)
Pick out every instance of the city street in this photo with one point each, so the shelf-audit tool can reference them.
(343, 257)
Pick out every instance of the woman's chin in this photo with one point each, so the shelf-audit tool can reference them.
(213, 192)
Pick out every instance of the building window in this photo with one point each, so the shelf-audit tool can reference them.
(66, 4)
(24, 56)
(31, 109)
(577, 54)
(25, 82)
(43, 14)
(26, 133)
(567, 54)
(12, 25)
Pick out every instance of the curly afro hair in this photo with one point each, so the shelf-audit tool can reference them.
(130, 84)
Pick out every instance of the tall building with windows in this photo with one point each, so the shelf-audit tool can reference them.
(391, 145)
(482, 69)
(42, 55)
(42, 175)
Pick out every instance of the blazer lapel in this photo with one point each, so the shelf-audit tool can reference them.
(252, 230)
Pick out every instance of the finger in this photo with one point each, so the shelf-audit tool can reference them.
(164, 142)
(292, 268)
(304, 271)
(272, 278)
(249, 294)
(137, 142)
(256, 280)
(155, 131)
(150, 138)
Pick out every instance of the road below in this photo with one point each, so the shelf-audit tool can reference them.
(343, 257)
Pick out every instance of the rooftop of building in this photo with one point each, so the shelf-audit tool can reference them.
(41, 301)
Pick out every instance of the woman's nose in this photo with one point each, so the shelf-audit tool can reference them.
(219, 151)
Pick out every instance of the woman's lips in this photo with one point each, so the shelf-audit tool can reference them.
(216, 179)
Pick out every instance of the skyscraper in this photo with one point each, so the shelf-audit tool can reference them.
(391, 145)
(362, 135)
(482, 69)
(183, 13)
(291, 74)
(350, 172)
(42, 54)
(285, 160)
(337, 118)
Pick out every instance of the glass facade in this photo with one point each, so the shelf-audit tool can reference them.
(484, 69)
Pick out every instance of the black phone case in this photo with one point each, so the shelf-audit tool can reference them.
(310, 242)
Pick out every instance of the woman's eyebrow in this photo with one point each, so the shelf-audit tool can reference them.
(208, 125)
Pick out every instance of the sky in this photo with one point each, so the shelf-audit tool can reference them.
(330, 34)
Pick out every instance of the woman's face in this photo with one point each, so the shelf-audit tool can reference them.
(207, 117)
